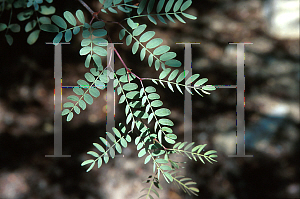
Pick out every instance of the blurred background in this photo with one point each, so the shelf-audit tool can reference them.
(271, 108)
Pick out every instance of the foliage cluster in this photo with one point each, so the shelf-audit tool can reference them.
(142, 104)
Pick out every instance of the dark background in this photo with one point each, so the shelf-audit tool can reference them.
(271, 109)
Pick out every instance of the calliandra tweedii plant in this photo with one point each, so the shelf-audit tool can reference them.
(142, 104)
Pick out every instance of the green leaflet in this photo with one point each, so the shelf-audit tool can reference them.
(179, 18)
(122, 9)
(167, 56)
(166, 121)
(58, 38)
(70, 18)
(86, 162)
(189, 16)
(73, 98)
(166, 167)
(128, 40)
(65, 112)
(76, 30)
(116, 132)
(161, 161)
(86, 33)
(162, 112)
(142, 153)
(93, 153)
(191, 79)
(150, 117)
(112, 10)
(85, 42)
(89, 77)
(118, 148)
(70, 117)
(107, 3)
(139, 30)
(156, 103)
(147, 36)
(122, 99)
(14, 27)
(94, 92)
(94, 72)
(160, 5)
(99, 32)
(82, 104)
(59, 21)
(150, 60)
(170, 18)
(29, 26)
(173, 63)
(99, 147)
(130, 86)
(154, 43)
(97, 61)
(100, 42)
(150, 89)
(153, 96)
(160, 50)
(168, 176)
(99, 162)
(117, 1)
(122, 34)
(80, 16)
(76, 110)
(139, 146)
(83, 83)
(44, 20)
(132, 24)
(185, 5)
(150, 6)
(121, 71)
(111, 137)
(142, 5)
(161, 19)
(147, 159)
(123, 142)
(140, 114)
(68, 105)
(209, 88)
(173, 75)
(151, 19)
(100, 51)
(164, 73)
(33, 36)
(182, 76)
(84, 50)
(88, 99)
(177, 5)
(169, 5)
(136, 104)
(98, 24)
(143, 53)
(200, 82)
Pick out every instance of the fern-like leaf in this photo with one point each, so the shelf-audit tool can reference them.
(121, 141)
